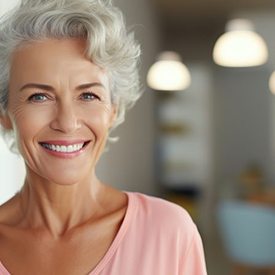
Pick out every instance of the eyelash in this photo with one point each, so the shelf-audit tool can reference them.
(95, 97)
(31, 98)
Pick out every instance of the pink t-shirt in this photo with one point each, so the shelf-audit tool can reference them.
(156, 238)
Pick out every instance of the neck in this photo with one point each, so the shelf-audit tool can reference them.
(59, 208)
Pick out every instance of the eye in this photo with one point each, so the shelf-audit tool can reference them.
(38, 97)
(89, 96)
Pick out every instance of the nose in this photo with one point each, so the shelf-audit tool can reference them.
(66, 119)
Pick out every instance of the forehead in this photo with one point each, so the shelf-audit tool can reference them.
(49, 59)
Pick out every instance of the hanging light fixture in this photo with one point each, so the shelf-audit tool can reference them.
(240, 46)
(168, 73)
(272, 83)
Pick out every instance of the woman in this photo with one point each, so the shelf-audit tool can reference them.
(68, 73)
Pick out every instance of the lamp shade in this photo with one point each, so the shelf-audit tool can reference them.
(168, 73)
(272, 83)
(240, 46)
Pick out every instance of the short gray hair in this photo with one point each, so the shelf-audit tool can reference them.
(109, 45)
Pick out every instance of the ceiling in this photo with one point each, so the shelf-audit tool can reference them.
(196, 14)
(191, 27)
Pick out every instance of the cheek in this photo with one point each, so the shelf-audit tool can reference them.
(98, 118)
(27, 120)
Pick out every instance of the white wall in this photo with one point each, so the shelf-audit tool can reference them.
(12, 172)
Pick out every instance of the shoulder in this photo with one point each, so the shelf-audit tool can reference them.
(159, 213)
(164, 233)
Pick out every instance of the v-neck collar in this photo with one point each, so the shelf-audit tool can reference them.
(113, 247)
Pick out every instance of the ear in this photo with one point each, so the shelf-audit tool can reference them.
(5, 121)
(113, 115)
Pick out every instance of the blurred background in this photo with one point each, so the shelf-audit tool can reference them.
(209, 145)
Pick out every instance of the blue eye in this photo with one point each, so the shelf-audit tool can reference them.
(38, 97)
(88, 96)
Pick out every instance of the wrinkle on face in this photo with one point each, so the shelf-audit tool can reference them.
(62, 66)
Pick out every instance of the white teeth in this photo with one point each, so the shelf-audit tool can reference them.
(63, 148)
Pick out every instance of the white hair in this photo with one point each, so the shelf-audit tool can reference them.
(109, 45)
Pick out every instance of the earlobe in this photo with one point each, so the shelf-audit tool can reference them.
(5, 122)
(113, 115)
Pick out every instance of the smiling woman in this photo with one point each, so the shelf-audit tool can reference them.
(68, 108)
(68, 73)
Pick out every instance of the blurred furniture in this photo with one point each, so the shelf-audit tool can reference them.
(252, 180)
(248, 235)
(265, 197)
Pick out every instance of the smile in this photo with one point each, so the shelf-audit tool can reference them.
(62, 148)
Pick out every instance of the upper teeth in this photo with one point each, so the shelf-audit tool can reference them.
(64, 148)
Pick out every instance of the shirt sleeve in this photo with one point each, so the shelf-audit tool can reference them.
(193, 261)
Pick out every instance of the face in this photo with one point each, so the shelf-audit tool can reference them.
(60, 109)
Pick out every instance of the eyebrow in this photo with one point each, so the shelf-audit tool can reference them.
(50, 88)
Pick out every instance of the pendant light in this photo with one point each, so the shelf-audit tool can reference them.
(168, 73)
(272, 83)
(240, 46)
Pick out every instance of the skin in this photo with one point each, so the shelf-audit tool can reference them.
(64, 219)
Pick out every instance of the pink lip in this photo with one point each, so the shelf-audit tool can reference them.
(64, 142)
